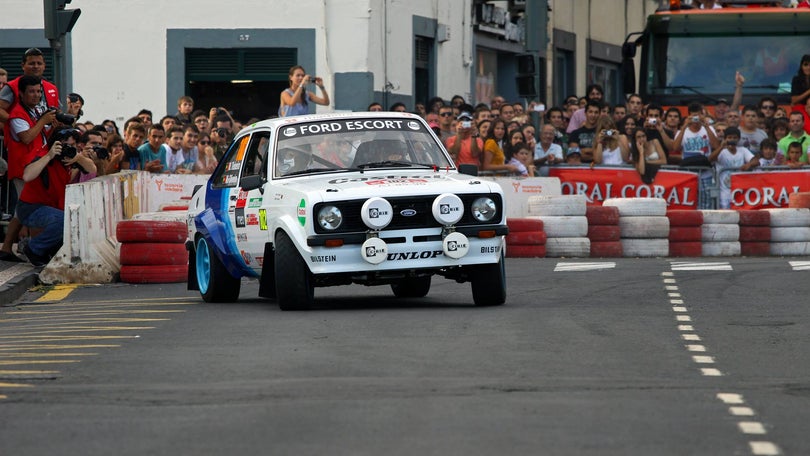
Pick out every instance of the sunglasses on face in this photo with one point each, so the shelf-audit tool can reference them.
(205, 143)
(445, 114)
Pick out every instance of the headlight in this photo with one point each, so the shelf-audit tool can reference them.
(330, 218)
(483, 209)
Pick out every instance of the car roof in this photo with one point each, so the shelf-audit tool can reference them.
(280, 121)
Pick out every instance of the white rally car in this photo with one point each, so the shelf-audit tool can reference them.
(336, 199)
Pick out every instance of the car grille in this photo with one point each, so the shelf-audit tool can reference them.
(423, 217)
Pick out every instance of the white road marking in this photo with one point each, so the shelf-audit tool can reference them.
(696, 348)
(670, 281)
(671, 287)
(683, 318)
(741, 411)
(764, 448)
(676, 301)
(711, 372)
(703, 359)
(678, 309)
(561, 267)
(751, 427)
(667, 274)
(800, 265)
(709, 266)
(686, 328)
(674, 295)
(691, 337)
(731, 398)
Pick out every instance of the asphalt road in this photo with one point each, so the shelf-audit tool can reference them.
(637, 358)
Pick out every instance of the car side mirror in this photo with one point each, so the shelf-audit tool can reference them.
(252, 182)
(468, 169)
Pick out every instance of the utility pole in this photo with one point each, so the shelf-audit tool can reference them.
(58, 23)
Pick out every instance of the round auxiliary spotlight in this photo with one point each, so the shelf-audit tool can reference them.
(455, 245)
(374, 250)
(447, 209)
(377, 213)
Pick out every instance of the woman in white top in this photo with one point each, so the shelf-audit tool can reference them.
(610, 148)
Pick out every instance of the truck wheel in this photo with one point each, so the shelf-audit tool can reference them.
(215, 283)
(414, 287)
(489, 284)
(297, 291)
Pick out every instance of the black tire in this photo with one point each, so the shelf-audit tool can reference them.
(414, 287)
(489, 284)
(215, 283)
(297, 291)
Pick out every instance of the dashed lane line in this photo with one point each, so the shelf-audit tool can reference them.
(800, 265)
(701, 266)
(578, 267)
(737, 406)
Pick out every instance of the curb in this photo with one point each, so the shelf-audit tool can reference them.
(12, 289)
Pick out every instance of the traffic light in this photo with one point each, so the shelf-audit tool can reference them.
(525, 80)
(58, 20)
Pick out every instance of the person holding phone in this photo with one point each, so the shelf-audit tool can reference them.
(465, 147)
(295, 99)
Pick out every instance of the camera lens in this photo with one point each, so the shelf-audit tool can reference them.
(68, 151)
(101, 152)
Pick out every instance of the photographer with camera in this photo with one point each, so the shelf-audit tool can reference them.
(33, 64)
(295, 100)
(91, 145)
(42, 201)
(611, 148)
(465, 147)
(26, 135)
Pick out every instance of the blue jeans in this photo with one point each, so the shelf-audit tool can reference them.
(49, 218)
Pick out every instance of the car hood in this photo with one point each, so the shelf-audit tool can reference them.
(390, 182)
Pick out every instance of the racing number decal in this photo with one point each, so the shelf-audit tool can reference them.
(263, 219)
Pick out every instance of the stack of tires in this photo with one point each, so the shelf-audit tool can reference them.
(604, 232)
(152, 251)
(755, 233)
(644, 226)
(526, 238)
(685, 233)
(790, 231)
(799, 200)
(721, 233)
(565, 224)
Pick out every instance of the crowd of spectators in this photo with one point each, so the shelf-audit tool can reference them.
(500, 136)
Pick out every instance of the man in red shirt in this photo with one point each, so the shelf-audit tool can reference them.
(42, 202)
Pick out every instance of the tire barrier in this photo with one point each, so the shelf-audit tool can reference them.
(557, 205)
(152, 251)
(604, 231)
(755, 233)
(565, 224)
(574, 247)
(526, 238)
(685, 233)
(644, 226)
(720, 233)
(789, 224)
(799, 200)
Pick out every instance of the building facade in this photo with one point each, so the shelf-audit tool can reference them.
(125, 56)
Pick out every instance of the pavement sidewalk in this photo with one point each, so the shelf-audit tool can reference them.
(15, 280)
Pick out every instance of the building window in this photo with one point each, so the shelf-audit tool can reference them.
(486, 74)
(606, 74)
(423, 68)
(564, 76)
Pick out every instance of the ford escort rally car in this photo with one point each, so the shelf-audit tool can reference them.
(322, 200)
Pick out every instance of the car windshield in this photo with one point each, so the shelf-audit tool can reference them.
(340, 145)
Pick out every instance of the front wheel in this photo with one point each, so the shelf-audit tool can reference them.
(413, 287)
(215, 283)
(294, 288)
(489, 284)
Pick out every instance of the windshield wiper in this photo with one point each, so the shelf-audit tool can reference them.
(392, 163)
(313, 171)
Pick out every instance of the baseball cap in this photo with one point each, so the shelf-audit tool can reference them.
(433, 125)
(722, 100)
(573, 151)
(75, 96)
(464, 116)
